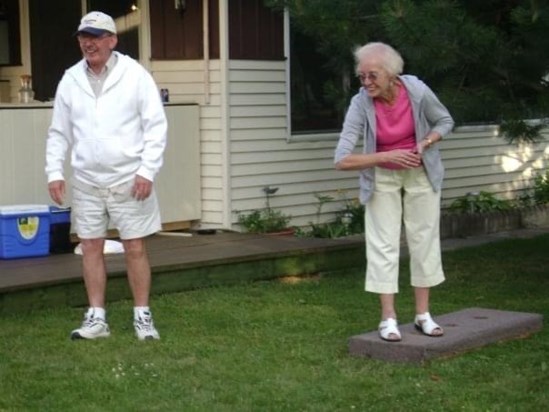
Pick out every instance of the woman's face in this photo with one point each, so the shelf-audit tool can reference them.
(376, 80)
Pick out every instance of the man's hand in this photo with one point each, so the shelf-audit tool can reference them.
(57, 191)
(142, 188)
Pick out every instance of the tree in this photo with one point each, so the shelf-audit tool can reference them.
(487, 60)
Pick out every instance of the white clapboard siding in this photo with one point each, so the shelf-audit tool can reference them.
(289, 167)
(253, 87)
(478, 159)
(258, 111)
(267, 99)
(242, 158)
(186, 81)
(258, 134)
(258, 123)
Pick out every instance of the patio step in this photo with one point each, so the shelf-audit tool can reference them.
(464, 330)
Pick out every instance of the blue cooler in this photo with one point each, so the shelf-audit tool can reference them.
(60, 230)
(24, 231)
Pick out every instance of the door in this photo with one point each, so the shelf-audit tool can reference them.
(53, 45)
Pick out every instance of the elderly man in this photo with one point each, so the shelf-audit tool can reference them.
(108, 111)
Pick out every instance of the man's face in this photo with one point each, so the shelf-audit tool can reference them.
(97, 49)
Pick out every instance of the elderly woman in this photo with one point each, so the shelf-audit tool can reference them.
(401, 122)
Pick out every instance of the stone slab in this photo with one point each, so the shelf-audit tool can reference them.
(463, 331)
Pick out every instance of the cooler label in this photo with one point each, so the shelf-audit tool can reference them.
(28, 226)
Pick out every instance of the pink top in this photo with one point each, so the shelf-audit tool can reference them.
(395, 126)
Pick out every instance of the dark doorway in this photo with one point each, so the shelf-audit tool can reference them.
(53, 45)
(128, 38)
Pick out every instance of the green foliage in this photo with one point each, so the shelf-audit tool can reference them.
(482, 202)
(266, 220)
(487, 60)
(348, 221)
(519, 131)
(539, 193)
(263, 221)
(541, 188)
(352, 215)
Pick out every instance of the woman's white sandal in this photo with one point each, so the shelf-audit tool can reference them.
(388, 330)
(426, 325)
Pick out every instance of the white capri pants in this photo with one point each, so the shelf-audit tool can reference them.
(402, 195)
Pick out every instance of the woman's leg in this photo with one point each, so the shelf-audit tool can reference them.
(383, 220)
(421, 211)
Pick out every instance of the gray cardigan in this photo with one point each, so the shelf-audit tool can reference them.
(429, 115)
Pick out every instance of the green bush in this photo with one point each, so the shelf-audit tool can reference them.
(263, 221)
(348, 221)
(482, 202)
(541, 188)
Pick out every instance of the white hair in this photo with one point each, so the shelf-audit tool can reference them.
(389, 58)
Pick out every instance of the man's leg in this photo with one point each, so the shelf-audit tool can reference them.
(139, 278)
(139, 271)
(95, 279)
(95, 275)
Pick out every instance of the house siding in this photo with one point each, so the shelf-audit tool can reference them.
(261, 154)
(478, 159)
(185, 80)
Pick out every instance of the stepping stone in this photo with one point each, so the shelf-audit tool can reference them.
(463, 331)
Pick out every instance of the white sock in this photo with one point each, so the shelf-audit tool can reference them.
(139, 311)
(97, 312)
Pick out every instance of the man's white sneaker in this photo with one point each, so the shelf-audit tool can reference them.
(144, 327)
(92, 328)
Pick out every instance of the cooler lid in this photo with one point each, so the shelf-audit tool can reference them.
(57, 209)
(24, 209)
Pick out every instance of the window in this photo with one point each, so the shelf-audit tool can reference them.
(319, 88)
(53, 46)
(10, 52)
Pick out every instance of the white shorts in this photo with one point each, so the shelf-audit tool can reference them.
(93, 209)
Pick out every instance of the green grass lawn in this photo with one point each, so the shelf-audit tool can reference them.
(279, 346)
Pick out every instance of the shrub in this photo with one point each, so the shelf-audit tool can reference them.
(541, 188)
(348, 221)
(482, 202)
(263, 221)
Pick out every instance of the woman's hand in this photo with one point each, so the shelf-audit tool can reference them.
(426, 143)
(404, 158)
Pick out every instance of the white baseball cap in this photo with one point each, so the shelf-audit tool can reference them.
(96, 23)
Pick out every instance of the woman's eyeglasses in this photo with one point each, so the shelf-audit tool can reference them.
(371, 76)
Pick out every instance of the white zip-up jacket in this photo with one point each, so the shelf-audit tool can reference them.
(114, 136)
